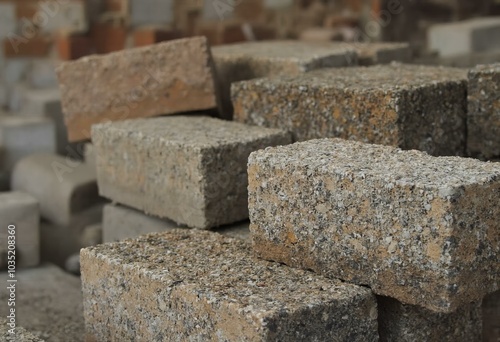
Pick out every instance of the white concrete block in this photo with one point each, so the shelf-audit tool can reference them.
(62, 15)
(23, 136)
(464, 37)
(151, 12)
(63, 187)
(21, 211)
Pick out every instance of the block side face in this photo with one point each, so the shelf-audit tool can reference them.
(399, 322)
(483, 118)
(226, 179)
(371, 220)
(312, 112)
(148, 175)
(151, 288)
(433, 118)
(166, 78)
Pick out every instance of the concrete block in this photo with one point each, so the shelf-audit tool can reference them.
(190, 169)
(463, 37)
(417, 228)
(200, 294)
(59, 242)
(151, 12)
(89, 155)
(19, 335)
(245, 61)
(383, 53)
(42, 74)
(63, 187)
(23, 136)
(120, 223)
(22, 211)
(409, 106)
(8, 21)
(69, 16)
(409, 323)
(91, 235)
(48, 302)
(15, 70)
(491, 317)
(483, 118)
(164, 78)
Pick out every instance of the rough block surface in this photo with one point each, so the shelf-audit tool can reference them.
(410, 323)
(63, 186)
(483, 120)
(491, 317)
(421, 229)
(189, 169)
(22, 211)
(198, 285)
(245, 61)
(171, 77)
(412, 107)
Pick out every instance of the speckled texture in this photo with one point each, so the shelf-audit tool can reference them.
(491, 317)
(190, 285)
(412, 107)
(21, 210)
(410, 323)
(165, 78)
(20, 334)
(245, 61)
(190, 169)
(484, 112)
(421, 229)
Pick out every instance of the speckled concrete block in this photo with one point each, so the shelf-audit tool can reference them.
(410, 323)
(189, 169)
(245, 61)
(420, 229)
(484, 112)
(63, 186)
(171, 77)
(491, 317)
(22, 211)
(412, 107)
(200, 286)
(18, 334)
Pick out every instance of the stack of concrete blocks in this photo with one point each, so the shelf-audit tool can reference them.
(20, 220)
(418, 230)
(412, 107)
(67, 192)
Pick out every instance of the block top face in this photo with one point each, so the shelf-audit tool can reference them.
(286, 50)
(486, 69)
(389, 164)
(15, 199)
(388, 78)
(194, 131)
(226, 270)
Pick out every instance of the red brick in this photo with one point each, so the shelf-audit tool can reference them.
(38, 46)
(108, 37)
(149, 36)
(73, 46)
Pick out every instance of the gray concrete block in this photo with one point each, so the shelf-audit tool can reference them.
(89, 155)
(460, 38)
(208, 287)
(412, 107)
(189, 169)
(151, 12)
(245, 61)
(23, 136)
(18, 334)
(63, 187)
(483, 117)
(42, 74)
(8, 20)
(59, 242)
(409, 323)
(417, 228)
(69, 16)
(48, 304)
(22, 211)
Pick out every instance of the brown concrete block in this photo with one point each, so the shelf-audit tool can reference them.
(409, 106)
(409, 323)
(63, 186)
(238, 62)
(190, 169)
(483, 118)
(21, 211)
(165, 78)
(210, 288)
(417, 228)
